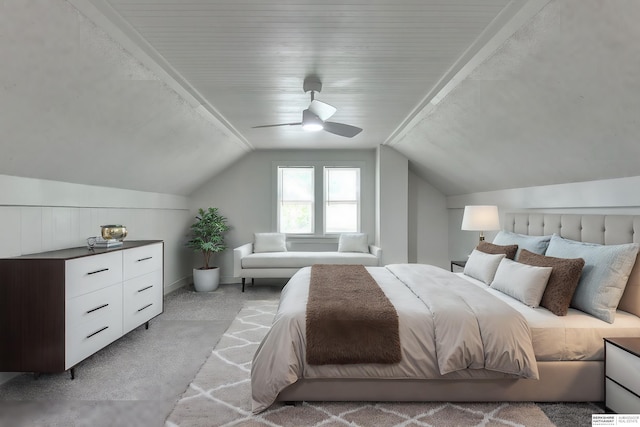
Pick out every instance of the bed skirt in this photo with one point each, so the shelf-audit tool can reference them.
(570, 381)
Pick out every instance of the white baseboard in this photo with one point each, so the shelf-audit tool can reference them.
(229, 279)
(185, 281)
(180, 283)
(6, 376)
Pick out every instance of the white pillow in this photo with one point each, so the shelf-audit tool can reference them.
(523, 282)
(353, 242)
(269, 242)
(482, 266)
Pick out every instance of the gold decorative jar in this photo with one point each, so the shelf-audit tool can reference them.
(114, 232)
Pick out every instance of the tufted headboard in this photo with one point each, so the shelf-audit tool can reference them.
(601, 229)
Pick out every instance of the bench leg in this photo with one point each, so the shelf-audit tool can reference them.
(253, 281)
(243, 279)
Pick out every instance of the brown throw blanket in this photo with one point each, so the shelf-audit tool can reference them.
(349, 318)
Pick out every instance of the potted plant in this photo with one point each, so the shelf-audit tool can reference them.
(207, 237)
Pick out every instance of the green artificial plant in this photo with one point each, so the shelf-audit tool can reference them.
(207, 234)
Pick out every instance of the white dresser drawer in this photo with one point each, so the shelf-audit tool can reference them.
(92, 321)
(88, 274)
(620, 400)
(142, 260)
(619, 365)
(94, 305)
(142, 299)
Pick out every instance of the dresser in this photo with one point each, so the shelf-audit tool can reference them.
(58, 308)
(622, 375)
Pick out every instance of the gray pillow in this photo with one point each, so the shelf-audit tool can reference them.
(604, 276)
(535, 244)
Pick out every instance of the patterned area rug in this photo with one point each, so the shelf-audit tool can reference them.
(220, 394)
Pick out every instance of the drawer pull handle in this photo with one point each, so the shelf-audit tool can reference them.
(97, 308)
(144, 289)
(97, 332)
(144, 259)
(146, 306)
(98, 271)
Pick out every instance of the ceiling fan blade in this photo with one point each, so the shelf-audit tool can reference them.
(281, 124)
(322, 109)
(342, 129)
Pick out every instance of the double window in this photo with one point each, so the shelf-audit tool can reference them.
(318, 200)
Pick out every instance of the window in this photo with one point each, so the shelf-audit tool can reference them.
(296, 200)
(341, 200)
(317, 199)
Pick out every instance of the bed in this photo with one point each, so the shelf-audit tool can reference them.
(568, 350)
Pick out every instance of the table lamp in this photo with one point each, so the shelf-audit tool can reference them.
(480, 218)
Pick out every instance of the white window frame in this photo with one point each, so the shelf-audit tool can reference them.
(318, 215)
(325, 195)
(279, 200)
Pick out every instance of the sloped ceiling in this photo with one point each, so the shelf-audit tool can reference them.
(558, 102)
(76, 107)
(161, 95)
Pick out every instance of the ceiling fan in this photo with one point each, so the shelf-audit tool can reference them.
(315, 117)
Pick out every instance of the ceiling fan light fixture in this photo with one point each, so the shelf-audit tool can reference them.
(312, 127)
(311, 122)
(316, 117)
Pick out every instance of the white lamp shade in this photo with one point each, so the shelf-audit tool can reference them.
(480, 218)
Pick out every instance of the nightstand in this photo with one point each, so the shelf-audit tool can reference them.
(460, 264)
(622, 375)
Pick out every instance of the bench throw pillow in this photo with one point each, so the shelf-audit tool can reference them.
(604, 276)
(269, 242)
(562, 282)
(353, 242)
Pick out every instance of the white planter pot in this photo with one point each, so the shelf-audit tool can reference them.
(206, 280)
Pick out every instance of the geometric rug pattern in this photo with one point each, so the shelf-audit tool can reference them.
(220, 394)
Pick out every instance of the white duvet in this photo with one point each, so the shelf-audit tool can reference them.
(449, 328)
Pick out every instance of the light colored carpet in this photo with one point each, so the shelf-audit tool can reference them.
(220, 394)
(135, 381)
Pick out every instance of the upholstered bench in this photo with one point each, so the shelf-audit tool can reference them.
(268, 257)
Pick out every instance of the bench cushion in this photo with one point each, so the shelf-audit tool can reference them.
(305, 259)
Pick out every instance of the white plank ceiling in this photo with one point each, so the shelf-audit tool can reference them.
(248, 59)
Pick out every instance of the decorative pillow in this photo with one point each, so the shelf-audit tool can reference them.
(482, 266)
(535, 244)
(269, 242)
(353, 242)
(562, 282)
(630, 301)
(490, 248)
(604, 276)
(523, 282)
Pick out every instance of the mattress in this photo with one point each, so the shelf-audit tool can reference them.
(576, 336)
